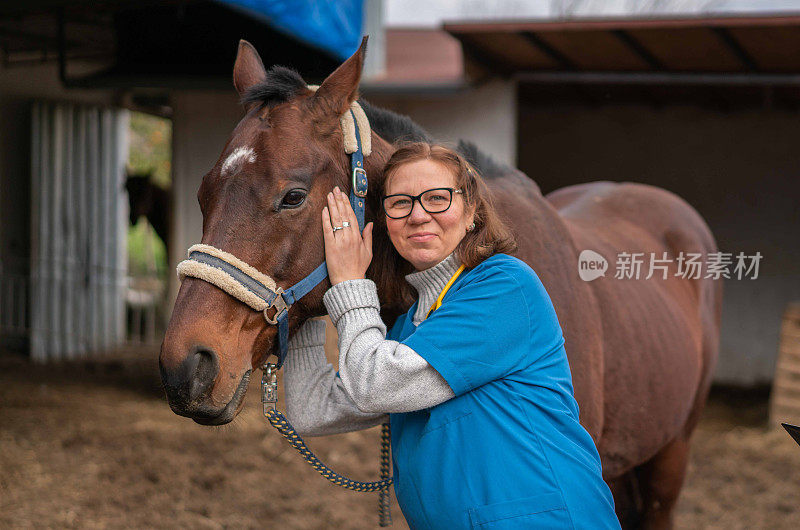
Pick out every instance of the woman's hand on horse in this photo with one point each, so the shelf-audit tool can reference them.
(347, 253)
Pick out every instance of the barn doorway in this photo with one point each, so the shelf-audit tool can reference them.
(148, 185)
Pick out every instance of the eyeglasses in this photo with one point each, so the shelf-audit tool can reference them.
(436, 200)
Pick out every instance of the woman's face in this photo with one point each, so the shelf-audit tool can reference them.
(425, 239)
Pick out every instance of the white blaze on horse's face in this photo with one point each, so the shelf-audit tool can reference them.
(233, 164)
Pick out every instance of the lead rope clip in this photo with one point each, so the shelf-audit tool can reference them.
(269, 387)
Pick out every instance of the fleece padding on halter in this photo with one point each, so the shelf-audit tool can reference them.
(349, 130)
(244, 287)
(250, 286)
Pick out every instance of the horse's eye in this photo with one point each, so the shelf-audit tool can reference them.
(294, 198)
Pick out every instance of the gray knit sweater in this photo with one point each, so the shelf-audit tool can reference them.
(376, 376)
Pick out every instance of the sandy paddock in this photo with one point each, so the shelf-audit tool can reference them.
(94, 445)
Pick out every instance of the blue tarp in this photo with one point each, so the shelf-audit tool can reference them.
(331, 25)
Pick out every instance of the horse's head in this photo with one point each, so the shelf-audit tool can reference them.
(261, 202)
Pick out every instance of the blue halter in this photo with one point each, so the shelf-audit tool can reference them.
(279, 299)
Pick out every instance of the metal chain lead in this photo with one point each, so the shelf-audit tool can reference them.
(269, 398)
(384, 510)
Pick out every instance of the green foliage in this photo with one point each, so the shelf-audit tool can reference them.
(147, 255)
(150, 147)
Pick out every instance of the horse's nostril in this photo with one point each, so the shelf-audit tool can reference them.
(187, 382)
(207, 368)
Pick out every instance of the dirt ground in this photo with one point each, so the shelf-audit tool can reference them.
(94, 445)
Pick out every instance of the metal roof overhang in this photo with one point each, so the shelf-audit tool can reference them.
(737, 54)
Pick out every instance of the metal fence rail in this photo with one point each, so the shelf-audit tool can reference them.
(144, 303)
(145, 313)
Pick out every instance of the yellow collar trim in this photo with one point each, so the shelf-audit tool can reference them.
(439, 299)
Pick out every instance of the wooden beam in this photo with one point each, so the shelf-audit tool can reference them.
(736, 48)
(638, 48)
(563, 61)
(495, 64)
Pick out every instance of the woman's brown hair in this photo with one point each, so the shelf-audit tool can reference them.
(489, 237)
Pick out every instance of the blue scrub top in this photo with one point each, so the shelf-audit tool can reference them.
(508, 450)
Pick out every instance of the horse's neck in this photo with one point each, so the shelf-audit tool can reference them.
(374, 163)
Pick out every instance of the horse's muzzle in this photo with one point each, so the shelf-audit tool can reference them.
(188, 387)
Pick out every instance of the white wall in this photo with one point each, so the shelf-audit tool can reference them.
(425, 13)
(485, 115)
(375, 63)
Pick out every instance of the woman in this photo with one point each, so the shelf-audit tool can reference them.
(485, 430)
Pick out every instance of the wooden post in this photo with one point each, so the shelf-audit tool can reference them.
(785, 398)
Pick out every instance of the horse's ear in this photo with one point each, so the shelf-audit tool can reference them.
(248, 70)
(340, 88)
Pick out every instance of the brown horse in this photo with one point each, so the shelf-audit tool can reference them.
(642, 352)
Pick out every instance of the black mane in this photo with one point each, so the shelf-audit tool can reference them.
(284, 84)
(393, 127)
(487, 166)
(281, 85)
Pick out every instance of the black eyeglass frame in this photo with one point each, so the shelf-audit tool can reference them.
(418, 198)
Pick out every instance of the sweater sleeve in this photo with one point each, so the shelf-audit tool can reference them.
(379, 375)
(316, 402)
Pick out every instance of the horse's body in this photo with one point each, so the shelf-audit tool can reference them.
(641, 351)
